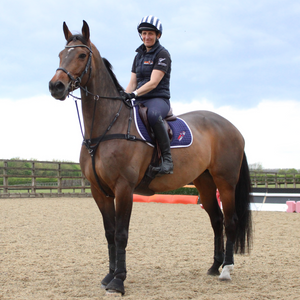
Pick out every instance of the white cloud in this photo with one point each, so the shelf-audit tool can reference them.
(39, 128)
(269, 129)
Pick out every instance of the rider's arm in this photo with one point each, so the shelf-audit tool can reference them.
(156, 77)
(132, 83)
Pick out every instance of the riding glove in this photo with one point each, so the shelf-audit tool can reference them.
(128, 96)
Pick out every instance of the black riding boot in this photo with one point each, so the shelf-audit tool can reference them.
(163, 140)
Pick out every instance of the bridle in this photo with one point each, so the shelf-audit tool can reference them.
(92, 144)
(77, 81)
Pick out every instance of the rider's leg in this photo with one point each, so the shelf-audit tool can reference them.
(163, 140)
(157, 110)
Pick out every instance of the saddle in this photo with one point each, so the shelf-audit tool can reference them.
(170, 117)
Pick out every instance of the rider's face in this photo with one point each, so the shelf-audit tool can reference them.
(149, 38)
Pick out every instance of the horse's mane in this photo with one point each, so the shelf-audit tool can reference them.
(112, 74)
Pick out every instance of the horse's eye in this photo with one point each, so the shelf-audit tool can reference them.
(82, 56)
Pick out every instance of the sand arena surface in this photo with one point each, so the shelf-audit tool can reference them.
(56, 249)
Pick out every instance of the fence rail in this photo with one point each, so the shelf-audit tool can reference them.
(36, 178)
(23, 178)
(267, 179)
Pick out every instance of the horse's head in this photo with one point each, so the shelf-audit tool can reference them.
(75, 63)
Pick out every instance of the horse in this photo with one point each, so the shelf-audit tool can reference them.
(114, 159)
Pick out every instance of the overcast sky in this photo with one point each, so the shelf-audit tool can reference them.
(238, 58)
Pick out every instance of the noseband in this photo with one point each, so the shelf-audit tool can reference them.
(77, 81)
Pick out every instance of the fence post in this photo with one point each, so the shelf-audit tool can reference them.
(285, 182)
(5, 178)
(266, 180)
(59, 179)
(294, 180)
(33, 178)
(82, 183)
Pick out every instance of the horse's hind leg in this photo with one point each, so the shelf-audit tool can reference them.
(207, 189)
(227, 194)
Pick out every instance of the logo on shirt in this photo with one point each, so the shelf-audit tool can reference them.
(161, 62)
(148, 62)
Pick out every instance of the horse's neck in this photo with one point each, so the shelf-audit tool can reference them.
(99, 115)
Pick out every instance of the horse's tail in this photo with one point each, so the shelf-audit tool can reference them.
(242, 202)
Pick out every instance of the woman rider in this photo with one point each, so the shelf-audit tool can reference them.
(150, 84)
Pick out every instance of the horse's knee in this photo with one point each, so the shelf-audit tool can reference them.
(110, 236)
(121, 239)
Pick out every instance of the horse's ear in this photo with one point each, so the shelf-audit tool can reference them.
(67, 32)
(86, 30)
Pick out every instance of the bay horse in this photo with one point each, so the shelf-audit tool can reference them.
(114, 160)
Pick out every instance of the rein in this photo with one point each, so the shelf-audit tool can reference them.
(93, 144)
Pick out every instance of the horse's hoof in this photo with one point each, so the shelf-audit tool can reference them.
(116, 286)
(113, 293)
(214, 269)
(213, 272)
(225, 275)
(106, 280)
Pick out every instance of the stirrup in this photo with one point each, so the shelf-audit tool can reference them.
(162, 171)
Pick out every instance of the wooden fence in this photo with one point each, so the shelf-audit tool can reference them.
(274, 180)
(22, 178)
(40, 178)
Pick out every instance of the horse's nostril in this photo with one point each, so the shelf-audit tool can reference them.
(57, 86)
(60, 86)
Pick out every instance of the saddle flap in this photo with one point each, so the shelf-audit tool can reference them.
(143, 115)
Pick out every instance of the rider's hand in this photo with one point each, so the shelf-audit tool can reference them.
(128, 96)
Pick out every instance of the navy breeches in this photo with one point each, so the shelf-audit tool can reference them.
(156, 107)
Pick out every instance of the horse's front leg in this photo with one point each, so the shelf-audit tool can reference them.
(124, 199)
(107, 209)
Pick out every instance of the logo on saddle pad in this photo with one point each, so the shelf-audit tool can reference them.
(181, 136)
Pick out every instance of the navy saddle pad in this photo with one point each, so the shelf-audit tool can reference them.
(182, 135)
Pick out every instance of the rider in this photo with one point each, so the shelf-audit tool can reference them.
(150, 84)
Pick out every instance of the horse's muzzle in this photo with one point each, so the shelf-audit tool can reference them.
(58, 90)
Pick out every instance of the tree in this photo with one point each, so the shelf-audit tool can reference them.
(256, 167)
